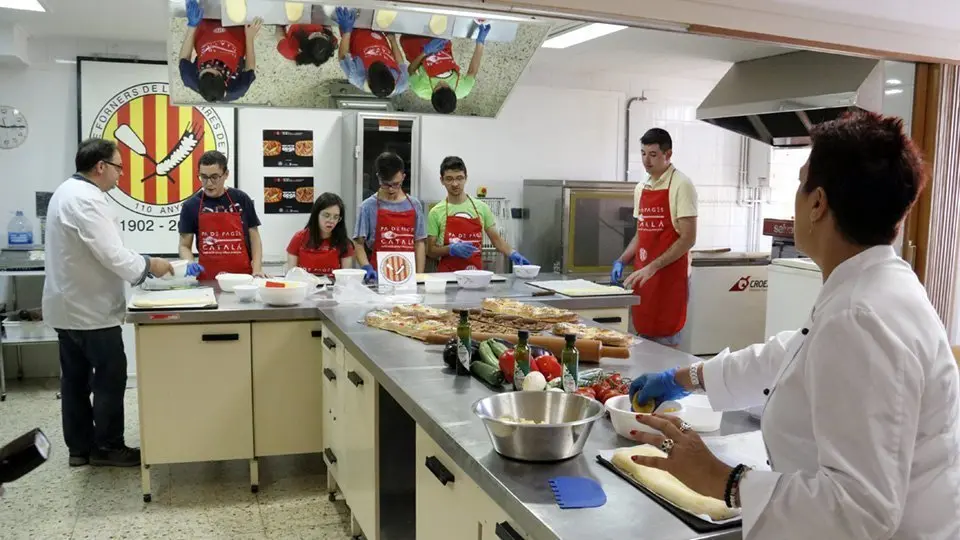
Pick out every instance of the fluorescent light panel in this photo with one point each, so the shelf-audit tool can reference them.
(25, 5)
(893, 91)
(580, 35)
(894, 82)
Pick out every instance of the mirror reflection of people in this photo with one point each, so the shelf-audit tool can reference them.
(455, 226)
(390, 220)
(307, 44)
(223, 69)
(371, 61)
(434, 72)
(323, 245)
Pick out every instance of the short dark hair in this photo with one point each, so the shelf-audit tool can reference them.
(316, 50)
(213, 87)
(444, 100)
(871, 173)
(381, 80)
(387, 166)
(93, 151)
(659, 137)
(213, 157)
(452, 163)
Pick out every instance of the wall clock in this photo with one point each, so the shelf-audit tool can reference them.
(13, 127)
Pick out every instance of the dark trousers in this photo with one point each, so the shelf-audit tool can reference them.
(92, 361)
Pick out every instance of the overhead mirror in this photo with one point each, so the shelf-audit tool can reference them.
(371, 56)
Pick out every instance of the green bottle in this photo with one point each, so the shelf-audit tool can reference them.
(570, 358)
(464, 347)
(521, 357)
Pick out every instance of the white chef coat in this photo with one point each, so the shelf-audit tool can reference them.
(861, 421)
(86, 262)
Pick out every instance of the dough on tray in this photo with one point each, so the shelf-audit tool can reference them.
(236, 10)
(438, 24)
(294, 11)
(385, 18)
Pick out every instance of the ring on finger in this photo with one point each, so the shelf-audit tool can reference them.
(666, 446)
(685, 427)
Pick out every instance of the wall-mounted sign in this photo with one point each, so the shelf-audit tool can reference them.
(287, 148)
(287, 194)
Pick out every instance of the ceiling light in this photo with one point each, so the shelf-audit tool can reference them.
(493, 16)
(893, 91)
(25, 5)
(64, 61)
(580, 35)
(894, 82)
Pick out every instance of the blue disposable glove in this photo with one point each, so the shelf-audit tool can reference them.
(194, 13)
(346, 18)
(482, 33)
(463, 250)
(518, 259)
(659, 387)
(194, 269)
(371, 273)
(616, 276)
(434, 46)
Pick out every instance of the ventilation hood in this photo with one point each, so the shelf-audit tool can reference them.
(777, 99)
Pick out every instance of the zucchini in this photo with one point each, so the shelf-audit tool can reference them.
(497, 347)
(487, 355)
(487, 373)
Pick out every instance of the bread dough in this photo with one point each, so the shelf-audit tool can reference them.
(667, 486)
(236, 10)
(438, 24)
(385, 18)
(168, 302)
(294, 11)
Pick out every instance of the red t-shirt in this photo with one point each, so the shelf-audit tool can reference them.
(300, 239)
(289, 46)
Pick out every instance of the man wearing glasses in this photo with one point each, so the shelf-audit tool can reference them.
(389, 220)
(84, 300)
(224, 223)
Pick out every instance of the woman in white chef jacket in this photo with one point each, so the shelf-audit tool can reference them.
(861, 404)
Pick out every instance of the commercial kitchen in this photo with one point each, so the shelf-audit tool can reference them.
(257, 420)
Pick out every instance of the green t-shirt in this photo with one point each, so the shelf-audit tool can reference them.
(423, 86)
(437, 220)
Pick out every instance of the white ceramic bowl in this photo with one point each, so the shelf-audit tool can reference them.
(294, 293)
(345, 275)
(246, 293)
(473, 279)
(179, 269)
(435, 284)
(625, 420)
(698, 412)
(526, 271)
(228, 281)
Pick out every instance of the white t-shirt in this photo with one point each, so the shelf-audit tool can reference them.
(683, 195)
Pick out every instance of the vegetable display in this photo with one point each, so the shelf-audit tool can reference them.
(493, 362)
(601, 386)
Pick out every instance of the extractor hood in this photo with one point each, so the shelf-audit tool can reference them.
(777, 99)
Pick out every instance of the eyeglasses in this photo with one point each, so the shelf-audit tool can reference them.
(211, 178)
(394, 185)
(330, 217)
(454, 179)
(117, 165)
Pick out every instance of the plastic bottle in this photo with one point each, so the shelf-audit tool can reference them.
(19, 230)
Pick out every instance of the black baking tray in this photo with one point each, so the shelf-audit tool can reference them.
(692, 521)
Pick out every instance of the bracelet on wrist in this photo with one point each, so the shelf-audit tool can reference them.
(731, 495)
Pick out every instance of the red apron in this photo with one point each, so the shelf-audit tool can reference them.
(372, 47)
(221, 243)
(289, 46)
(395, 231)
(436, 65)
(220, 46)
(662, 311)
(320, 261)
(461, 229)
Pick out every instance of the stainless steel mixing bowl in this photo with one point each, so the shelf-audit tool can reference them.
(568, 419)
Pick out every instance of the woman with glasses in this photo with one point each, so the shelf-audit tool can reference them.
(322, 246)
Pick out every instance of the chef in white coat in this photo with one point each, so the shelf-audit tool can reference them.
(861, 403)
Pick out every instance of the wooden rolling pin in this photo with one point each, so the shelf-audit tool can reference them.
(591, 350)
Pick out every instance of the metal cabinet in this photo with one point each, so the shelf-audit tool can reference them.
(359, 397)
(333, 421)
(446, 498)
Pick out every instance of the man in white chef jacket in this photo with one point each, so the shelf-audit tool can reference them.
(87, 267)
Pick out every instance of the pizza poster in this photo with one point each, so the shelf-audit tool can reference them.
(287, 194)
(283, 148)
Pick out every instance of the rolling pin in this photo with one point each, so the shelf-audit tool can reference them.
(591, 350)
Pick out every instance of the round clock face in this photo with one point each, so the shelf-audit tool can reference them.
(13, 127)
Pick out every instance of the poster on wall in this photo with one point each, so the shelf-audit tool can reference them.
(160, 145)
(287, 194)
(282, 148)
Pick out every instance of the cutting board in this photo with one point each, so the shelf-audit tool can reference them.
(580, 287)
(201, 298)
(422, 278)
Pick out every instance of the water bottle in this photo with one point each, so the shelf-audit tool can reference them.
(20, 230)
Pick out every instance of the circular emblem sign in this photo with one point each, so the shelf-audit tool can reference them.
(396, 269)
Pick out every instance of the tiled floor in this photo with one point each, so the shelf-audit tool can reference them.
(193, 501)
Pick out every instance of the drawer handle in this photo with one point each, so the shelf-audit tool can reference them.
(442, 473)
(506, 532)
(220, 337)
(316, 333)
(331, 457)
(331, 344)
(356, 379)
(607, 320)
(329, 374)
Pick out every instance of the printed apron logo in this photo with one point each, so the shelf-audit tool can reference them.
(221, 242)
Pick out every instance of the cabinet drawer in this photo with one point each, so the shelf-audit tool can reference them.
(359, 390)
(333, 423)
(613, 318)
(446, 499)
(195, 392)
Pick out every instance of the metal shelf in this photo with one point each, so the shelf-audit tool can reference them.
(29, 341)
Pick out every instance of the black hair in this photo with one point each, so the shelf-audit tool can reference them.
(338, 237)
(452, 163)
(387, 166)
(444, 100)
(381, 80)
(871, 173)
(213, 157)
(659, 137)
(93, 151)
(213, 87)
(315, 50)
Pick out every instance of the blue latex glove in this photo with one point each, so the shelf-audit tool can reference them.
(434, 46)
(659, 387)
(194, 269)
(371, 273)
(346, 18)
(194, 13)
(616, 276)
(482, 33)
(463, 250)
(518, 259)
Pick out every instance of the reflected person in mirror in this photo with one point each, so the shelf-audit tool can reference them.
(307, 44)
(371, 61)
(434, 72)
(223, 69)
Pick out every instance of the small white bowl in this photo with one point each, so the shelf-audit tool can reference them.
(292, 294)
(625, 420)
(435, 284)
(228, 281)
(179, 269)
(698, 412)
(526, 271)
(473, 279)
(246, 293)
(346, 275)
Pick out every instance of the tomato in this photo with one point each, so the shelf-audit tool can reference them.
(614, 380)
(603, 395)
(587, 392)
(549, 366)
(507, 365)
(275, 285)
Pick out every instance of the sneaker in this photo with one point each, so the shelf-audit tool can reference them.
(79, 461)
(116, 457)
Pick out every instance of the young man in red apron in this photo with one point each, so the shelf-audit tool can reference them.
(666, 231)
(435, 73)
(225, 61)
(370, 60)
(460, 222)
